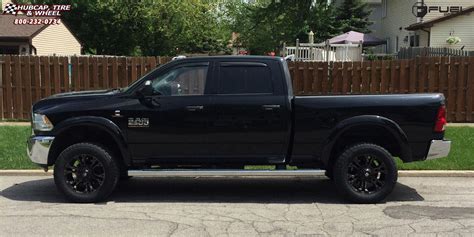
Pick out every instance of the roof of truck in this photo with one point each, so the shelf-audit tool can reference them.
(235, 57)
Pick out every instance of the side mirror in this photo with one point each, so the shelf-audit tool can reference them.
(145, 93)
(146, 90)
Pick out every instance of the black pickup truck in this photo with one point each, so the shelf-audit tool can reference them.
(212, 116)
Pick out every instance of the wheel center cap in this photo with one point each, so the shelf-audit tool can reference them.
(367, 173)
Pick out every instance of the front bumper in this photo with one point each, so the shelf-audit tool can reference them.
(38, 149)
(438, 149)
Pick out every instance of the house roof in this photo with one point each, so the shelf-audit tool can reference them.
(9, 30)
(430, 23)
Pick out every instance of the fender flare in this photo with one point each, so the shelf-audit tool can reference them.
(96, 122)
(366, 120)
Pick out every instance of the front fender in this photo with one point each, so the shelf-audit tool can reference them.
(366, 120)
(99, 123)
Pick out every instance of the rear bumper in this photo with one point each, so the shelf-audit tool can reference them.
(438, 149)
(38, 149)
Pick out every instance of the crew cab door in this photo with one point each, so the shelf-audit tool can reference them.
(178, 116)
(252, 120)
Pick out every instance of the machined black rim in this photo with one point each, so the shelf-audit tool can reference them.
(366, 174)
(84, 173)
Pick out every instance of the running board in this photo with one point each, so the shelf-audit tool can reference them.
(211, 172)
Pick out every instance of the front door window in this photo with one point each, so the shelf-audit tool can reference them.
(181, 81)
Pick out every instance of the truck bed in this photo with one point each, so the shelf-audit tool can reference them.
(317, 118)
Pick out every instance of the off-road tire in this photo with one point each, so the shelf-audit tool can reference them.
(343, 171)
(109, 169)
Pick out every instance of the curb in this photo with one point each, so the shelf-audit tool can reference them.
(25, 173)
(436, 173)
(401, 173)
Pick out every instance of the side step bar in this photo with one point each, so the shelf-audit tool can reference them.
(211, 172)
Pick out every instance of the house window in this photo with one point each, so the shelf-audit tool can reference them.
(387, 45)
(396, 43)
(384, 8)
(414, 40)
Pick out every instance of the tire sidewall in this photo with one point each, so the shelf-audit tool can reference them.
(341, 169)
(110, 168)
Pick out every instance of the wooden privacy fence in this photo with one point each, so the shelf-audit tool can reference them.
(413, 52)
(26, 79)
(452, 76)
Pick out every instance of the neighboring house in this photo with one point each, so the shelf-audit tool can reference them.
(375, 7)
(391, 18)
(436, 31)
(36, 39)
(397, 15)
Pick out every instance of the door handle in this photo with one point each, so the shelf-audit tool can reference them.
(194, 107)
(270, 107)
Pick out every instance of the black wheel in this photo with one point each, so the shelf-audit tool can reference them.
(365, 173)
(86, 172)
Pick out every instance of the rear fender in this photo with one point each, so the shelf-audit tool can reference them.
(366, 121)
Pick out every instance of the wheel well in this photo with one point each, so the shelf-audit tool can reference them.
(365, 134)
(90, 134)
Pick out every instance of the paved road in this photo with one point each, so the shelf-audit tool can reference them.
(238, 207)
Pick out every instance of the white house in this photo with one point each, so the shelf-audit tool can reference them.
(435, 32)
(398, 15)
(398, 22)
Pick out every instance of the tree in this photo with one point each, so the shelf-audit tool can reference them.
(144, 27)
(323, 21)
(264, 27)
(354, 15)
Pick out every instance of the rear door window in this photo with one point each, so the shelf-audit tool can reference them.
(244, 78)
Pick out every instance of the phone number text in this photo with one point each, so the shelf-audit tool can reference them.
(36, 21)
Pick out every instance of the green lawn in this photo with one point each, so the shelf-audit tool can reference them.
(13, 150)
(461, 156)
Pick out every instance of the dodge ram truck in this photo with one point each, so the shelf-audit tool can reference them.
(213, 116)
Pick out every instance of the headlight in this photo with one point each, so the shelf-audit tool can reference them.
(41, 123)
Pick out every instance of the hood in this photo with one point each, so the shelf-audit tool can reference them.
(84, 93)
(65, 99)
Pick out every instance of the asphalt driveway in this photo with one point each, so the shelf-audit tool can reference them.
(237, 207)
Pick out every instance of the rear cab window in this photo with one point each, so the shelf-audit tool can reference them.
(244, 78)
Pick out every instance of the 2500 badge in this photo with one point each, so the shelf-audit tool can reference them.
(138, 122)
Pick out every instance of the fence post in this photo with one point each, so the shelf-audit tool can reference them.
(297, 49)
(328, 47)
(17, 83)
(2, 109)
(311, 42)
(470, 89)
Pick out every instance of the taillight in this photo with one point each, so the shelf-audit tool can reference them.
(440, 119)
